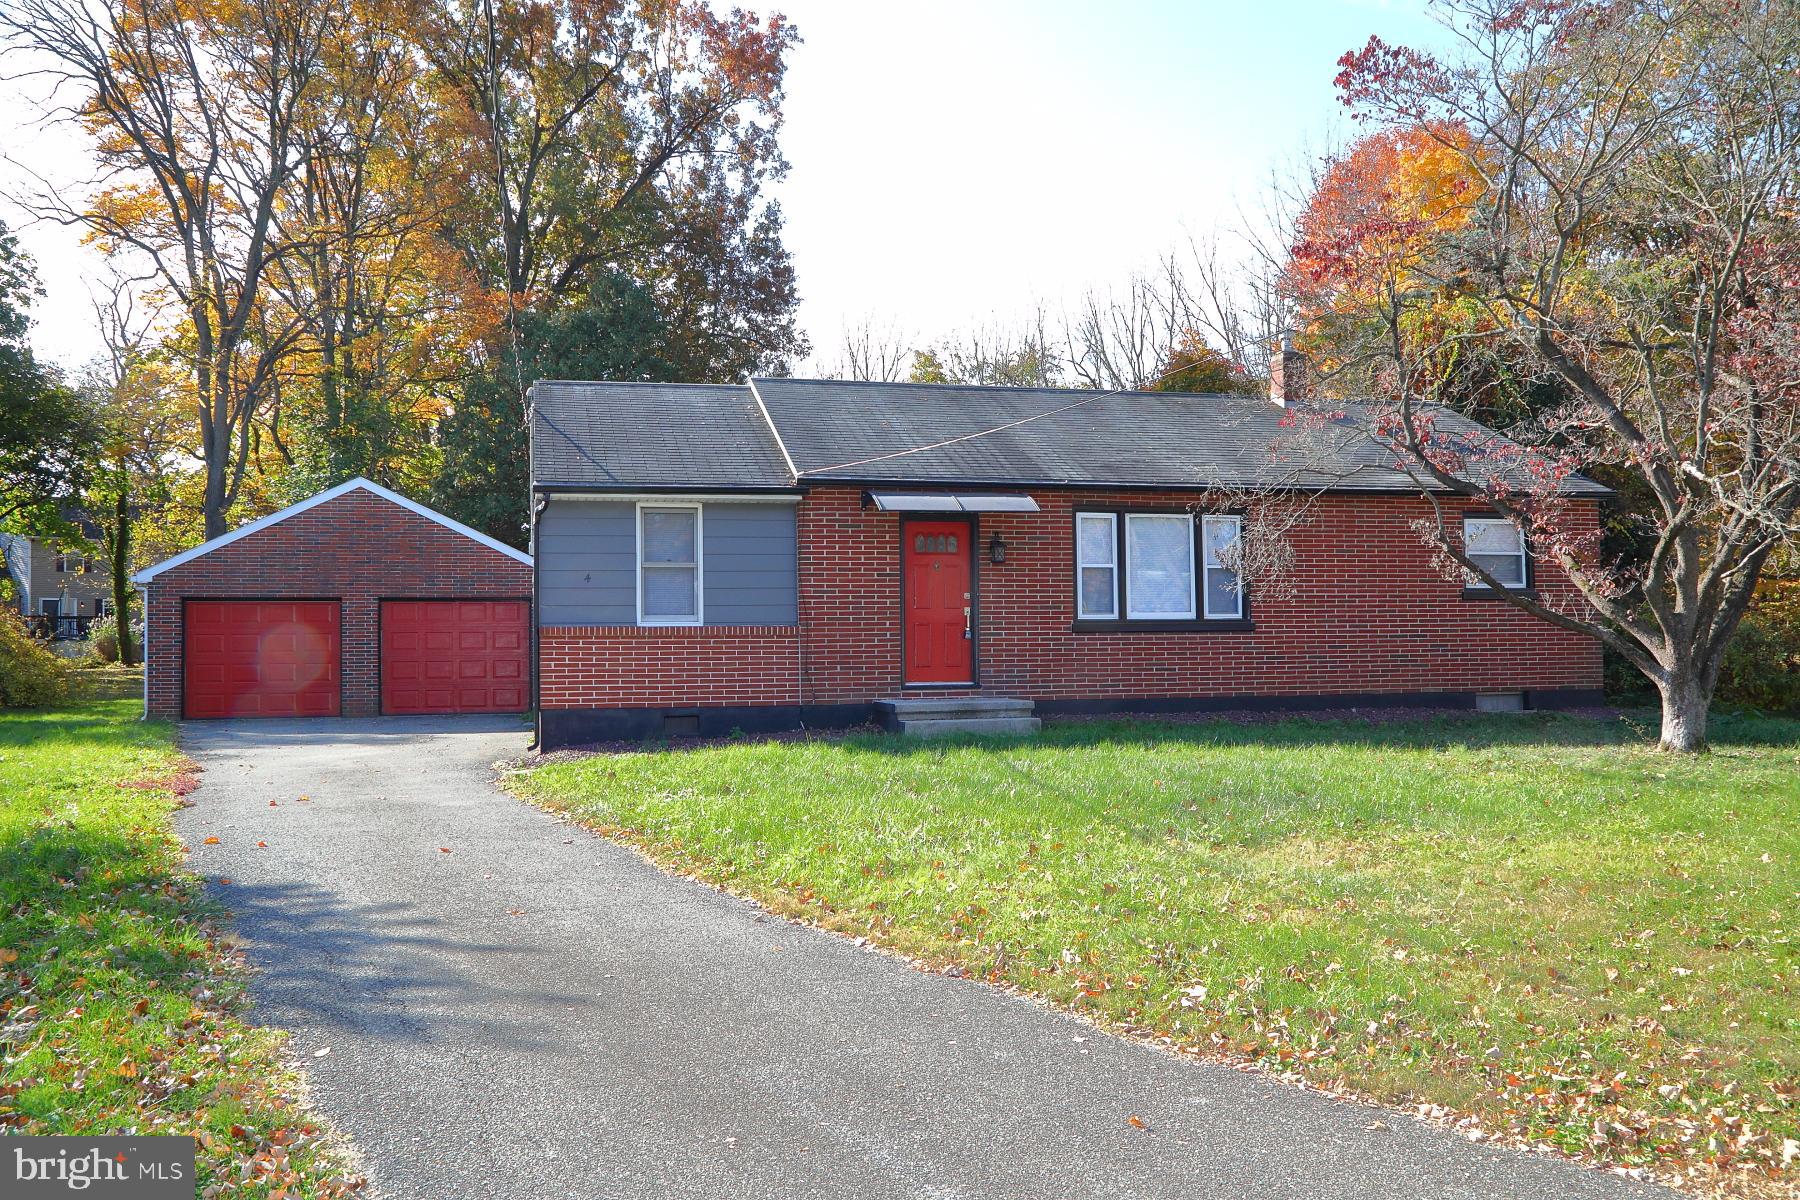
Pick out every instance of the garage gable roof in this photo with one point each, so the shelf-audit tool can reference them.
(243, 531)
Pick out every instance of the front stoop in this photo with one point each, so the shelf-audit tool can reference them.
(934, 717)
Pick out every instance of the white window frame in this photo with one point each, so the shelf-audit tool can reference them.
(1115, 566)
(1132, 612)
(699, 617)
(1237, 593)
(1477, 583)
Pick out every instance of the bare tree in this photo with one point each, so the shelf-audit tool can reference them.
(1123, 338)
(195, 112)
(872, 350)
(997, 353)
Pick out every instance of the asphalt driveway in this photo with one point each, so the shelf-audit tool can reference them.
(538, 1014)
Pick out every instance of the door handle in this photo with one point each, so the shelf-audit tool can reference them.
(966, 621)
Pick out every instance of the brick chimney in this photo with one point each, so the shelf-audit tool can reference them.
(1287, 373)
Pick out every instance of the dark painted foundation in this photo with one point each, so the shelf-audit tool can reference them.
(559, 727)
(563, 727)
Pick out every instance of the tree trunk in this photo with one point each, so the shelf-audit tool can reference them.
(212, 504)
(121, 564)
(1685, 704)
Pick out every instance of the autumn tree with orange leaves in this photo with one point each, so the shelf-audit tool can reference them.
(346, 215)
(1594, 205)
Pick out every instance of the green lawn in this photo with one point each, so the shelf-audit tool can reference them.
(118, 1011)
(1535, 920)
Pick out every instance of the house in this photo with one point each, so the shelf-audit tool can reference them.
(63, 588)
(793, 552)
(353, 602)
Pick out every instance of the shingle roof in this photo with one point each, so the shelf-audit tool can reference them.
(839, 430)
(652, 435)
(610, 435)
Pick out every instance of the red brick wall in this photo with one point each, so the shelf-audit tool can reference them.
(623, 666)
(1368, 613)
(357, 548)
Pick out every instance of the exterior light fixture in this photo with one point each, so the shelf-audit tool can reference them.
(996, 549)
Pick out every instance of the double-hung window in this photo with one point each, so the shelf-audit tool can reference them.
(1157, 567)
(1496, 546)
(1097, 564)
(669, 549)
(1224, 587)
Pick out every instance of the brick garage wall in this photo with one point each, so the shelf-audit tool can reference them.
(356, 548)
(1368, 613)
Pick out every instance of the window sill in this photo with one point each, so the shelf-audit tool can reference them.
(1475, 593)
(1233, 625)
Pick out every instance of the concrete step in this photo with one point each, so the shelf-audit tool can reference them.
(926, 708)
(941, 726)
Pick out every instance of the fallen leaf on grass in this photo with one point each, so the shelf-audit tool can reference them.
(8, 955)
(263, 845)
(443, 849)
(212, 841)
(1137, 1122)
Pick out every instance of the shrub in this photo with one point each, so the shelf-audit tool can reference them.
(103, 639)
(30, 675)
(1762, 664)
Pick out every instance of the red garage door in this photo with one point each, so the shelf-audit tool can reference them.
(453, 656)
(261, 658)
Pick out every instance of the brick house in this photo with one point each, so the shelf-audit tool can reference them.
(805, 552)
(354, 602)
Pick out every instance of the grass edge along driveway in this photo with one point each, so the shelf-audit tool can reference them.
(1535, 926)
(120, 1009)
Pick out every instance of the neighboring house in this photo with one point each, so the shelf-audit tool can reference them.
(789, 552)
(353, 602)
(56, 584)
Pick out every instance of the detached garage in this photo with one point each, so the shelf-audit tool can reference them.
(355, 602)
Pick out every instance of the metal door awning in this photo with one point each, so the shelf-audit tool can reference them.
(952, 502)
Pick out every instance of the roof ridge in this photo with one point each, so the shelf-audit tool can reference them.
(1000, 387)
(642, 383)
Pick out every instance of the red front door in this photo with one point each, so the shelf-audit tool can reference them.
(937, 602)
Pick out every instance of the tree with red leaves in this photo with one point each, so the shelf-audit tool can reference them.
(1622, 232)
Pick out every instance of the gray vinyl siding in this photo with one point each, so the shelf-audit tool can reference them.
(750, 564)
(587, 563)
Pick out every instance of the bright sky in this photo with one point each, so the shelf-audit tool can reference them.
(956, 161)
